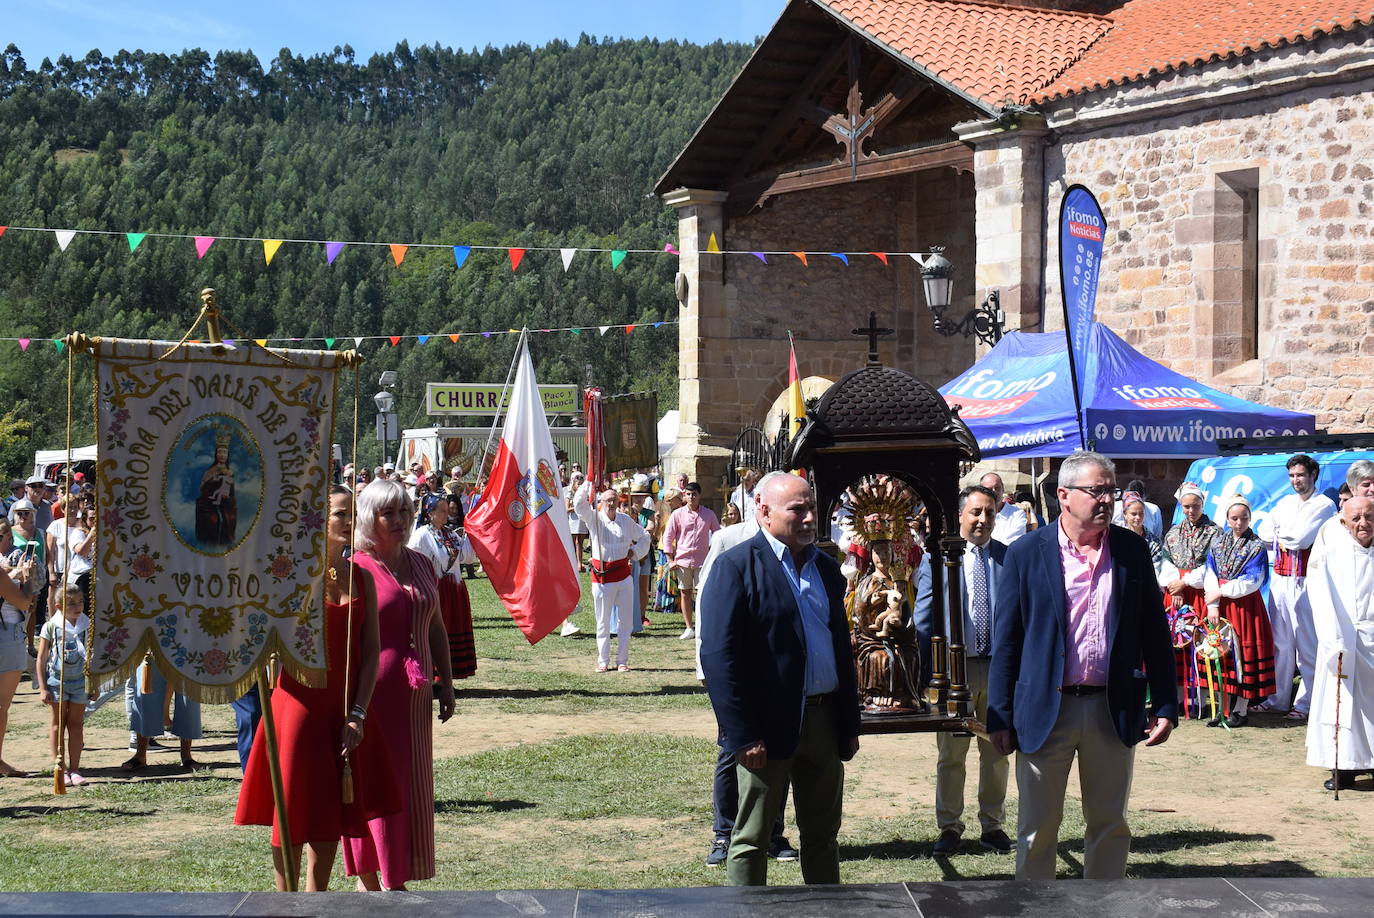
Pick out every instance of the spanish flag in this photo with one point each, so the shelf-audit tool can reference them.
(794, 393)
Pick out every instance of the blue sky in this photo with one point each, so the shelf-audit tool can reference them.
(47, 28)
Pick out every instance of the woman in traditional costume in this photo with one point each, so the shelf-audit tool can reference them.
(442, 544)
(19, 578)
(1180, 572)
(1237, 567)
(321, 735)
(400, 848)
(1133, 515)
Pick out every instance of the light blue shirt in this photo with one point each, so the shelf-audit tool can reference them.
(809, 591)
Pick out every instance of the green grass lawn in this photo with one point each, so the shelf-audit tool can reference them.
(552, 776)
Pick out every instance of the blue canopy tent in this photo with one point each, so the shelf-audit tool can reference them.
(1018, 401)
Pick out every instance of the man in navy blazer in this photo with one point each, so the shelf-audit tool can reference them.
(776, 656)
(979, 572)
(1080, 636)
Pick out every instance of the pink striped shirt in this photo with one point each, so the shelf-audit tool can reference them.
(1088, 588)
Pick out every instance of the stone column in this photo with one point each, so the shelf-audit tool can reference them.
(1009, 225)
(700, 452)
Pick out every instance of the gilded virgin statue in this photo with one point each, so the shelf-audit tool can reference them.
(886, 653)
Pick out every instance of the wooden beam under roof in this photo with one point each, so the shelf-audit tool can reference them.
(754, 191)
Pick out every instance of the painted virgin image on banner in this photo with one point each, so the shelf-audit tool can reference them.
(213, 492)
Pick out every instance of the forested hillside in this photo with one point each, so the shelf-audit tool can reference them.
(554, 146)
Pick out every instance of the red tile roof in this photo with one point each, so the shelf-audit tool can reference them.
(1157, 36)
(996, 55)
(991, 53)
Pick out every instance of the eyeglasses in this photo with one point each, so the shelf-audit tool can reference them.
(1096, 492)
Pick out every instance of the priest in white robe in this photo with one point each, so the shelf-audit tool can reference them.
(1340, 584)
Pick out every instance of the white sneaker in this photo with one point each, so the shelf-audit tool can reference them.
(687, 635)
(569, 629)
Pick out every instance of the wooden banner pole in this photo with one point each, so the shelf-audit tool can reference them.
(269, 727)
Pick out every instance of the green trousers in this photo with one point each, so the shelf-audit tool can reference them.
(817, 777)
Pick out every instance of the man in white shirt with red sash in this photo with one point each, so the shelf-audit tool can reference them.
(614, 537)
(1290, 530)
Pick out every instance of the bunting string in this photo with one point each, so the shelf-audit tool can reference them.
(333, 248)
(357, 341)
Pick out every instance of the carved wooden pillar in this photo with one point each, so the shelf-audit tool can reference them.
(958, 702)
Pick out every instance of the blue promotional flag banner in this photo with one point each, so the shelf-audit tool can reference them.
(1019, 402)
(1082, 231)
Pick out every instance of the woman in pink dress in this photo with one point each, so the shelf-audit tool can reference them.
(400, 848)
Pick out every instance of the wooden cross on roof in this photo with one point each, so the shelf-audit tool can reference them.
(873, 333)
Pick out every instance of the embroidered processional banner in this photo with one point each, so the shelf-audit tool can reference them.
(212, 495)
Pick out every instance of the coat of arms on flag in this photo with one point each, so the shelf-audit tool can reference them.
(213, 489)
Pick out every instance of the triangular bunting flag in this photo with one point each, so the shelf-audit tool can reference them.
(671, 249)
(269, 249)
(260, 342)
(617, 256)
(2, 230)
(760, 256)
(629, 328)
(134, 240)
(567, 255)
(332, 250)
(395, 340)
(23, 344)
(203, 244)
(422, 338)
(515, 256)
(712, 245)
(576, 331)
(486, 334)
(802, 257)
(64, 238)
(916, 257)
(603, 328)
(357, 342)
(398, 253)
(229, 342)
(512, 331)
(329, 343)
(841, 256)
(460, 254)
(454, 338)
(658, 325)
(881, 256)
(59, 344)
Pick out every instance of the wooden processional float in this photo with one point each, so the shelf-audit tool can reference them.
(212, 485)
(881, 444)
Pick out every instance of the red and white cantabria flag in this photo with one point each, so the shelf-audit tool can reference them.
(519, 529)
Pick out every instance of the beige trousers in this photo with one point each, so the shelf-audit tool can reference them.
(1084, 727)
(993, 767)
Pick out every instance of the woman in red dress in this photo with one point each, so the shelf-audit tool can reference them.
(400, 847)
(318, 728)
(1237, 566)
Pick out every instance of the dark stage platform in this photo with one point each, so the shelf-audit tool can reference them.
(1210, 898)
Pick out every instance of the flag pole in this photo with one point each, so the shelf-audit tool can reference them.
(496, 418)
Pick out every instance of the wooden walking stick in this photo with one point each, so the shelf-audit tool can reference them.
(1336, 734)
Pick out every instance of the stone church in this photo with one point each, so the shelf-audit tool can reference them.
(1230, 143)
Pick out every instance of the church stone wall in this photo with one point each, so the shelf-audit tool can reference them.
(1305, 145)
